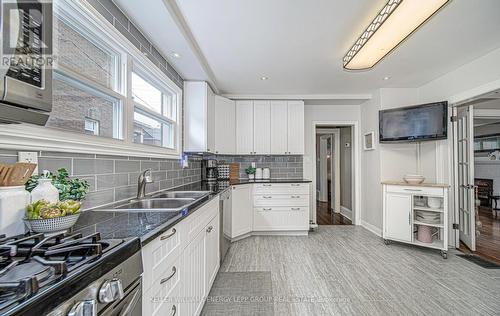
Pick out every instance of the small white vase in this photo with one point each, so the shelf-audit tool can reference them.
(251, 176)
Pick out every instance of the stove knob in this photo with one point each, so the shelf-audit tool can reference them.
(84, 308)
(110, 291)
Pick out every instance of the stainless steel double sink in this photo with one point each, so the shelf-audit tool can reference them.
(172, 201)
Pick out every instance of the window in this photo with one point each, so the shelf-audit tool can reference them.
(154, 112)
(86, 82)
(108, 97)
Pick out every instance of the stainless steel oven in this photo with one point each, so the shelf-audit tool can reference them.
(26, 61)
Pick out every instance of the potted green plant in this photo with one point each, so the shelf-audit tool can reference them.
(250, 171)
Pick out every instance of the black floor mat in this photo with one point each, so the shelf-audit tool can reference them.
(480, 261)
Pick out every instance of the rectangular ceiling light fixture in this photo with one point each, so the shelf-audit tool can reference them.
(395, 22)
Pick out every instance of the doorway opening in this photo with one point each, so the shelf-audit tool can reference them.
(334, 175)
(477, 174)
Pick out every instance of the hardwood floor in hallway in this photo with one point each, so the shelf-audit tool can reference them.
(324, 215)
(347, 270)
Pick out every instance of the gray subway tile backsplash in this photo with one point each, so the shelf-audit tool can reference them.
(92, 166)
(114, 178)
(289, 167)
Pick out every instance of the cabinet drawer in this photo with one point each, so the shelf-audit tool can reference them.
(197, 222)
(415, 190)
(281, 218)
(157, 254)
(164, 294)
(281, 200)
(281, 188)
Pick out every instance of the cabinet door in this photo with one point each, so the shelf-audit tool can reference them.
(212, 250)
(262, 127)
(296, 127)
(210, 119)
(241, 210)
(244, 127)
(397, 216)
(279, 127)
(195, 116)
(194, 280)
(225, 126)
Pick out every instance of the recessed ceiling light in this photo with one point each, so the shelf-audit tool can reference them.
(395, 22)
(264, 78)
(387, 78)
(175, 55)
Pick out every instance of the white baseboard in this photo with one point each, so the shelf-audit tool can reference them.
(374, 229)
(346, 212)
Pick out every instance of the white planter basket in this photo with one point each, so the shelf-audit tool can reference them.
(51, 225)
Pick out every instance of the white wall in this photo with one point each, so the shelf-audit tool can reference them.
(391, 162)
(322, 113)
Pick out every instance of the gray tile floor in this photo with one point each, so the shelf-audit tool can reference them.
(347, 270)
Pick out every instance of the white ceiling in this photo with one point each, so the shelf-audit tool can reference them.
(299, 44)
(160, 27)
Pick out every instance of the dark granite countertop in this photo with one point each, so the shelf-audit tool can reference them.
(149, 225)
(247, 181)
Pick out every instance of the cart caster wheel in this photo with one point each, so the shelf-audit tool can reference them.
(387, 241)
(444, 254)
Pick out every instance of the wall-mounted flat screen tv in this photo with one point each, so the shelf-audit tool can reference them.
(414, 123)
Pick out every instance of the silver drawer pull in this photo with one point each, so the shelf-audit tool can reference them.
(267, 209)
(267, 185)
(174, 270)
(295, 208)
(174, 310)
(209, 229)
(295, 185)
(268, 197)
(295, 196)
(413, 190)
(169, 235)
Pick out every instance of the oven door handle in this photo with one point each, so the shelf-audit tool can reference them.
(130, 306)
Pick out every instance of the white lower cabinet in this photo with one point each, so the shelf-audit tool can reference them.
(281, 218)
(194, 286)
(181, 264)
(398, 220)
(281, 207)
(416, 214)
(241, 208)
(212, 251)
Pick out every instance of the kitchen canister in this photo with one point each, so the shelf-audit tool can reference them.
(13, 202)
(266, 173)
(258, 173)
(45, 190)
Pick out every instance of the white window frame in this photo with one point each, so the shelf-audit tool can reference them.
(30, 137)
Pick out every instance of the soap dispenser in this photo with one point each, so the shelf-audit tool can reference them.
(45, 190)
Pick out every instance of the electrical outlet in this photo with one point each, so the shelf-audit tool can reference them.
(29, 157)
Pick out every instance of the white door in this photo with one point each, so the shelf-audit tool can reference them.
(225, 126)
(465, 176)
(244, 127)
(210, 120)
(262, 127)
(242, 208)
(397, 217)
(212, 250)
(279, 127)
(296, 127)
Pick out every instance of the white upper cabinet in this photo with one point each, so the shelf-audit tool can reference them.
(296, 127)
(279, 127)
(225, 126)
(244, 127)
(219, 125)
(262, 127)
(199, 117)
